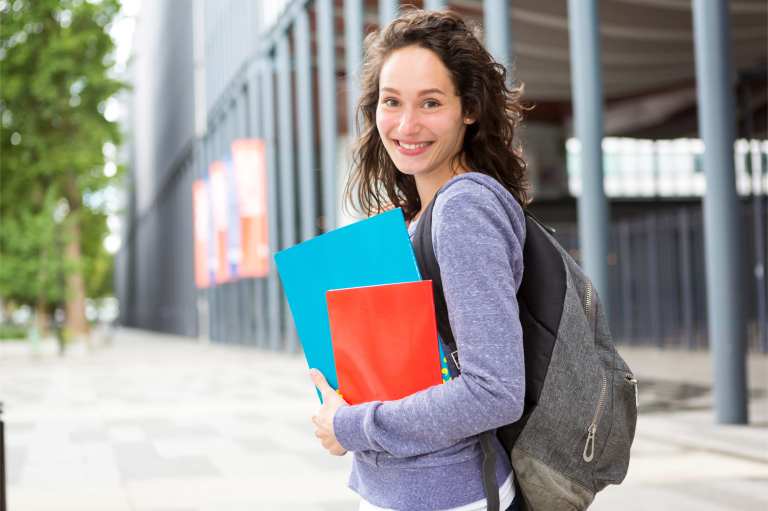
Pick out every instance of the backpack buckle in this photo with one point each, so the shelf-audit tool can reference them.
(455, 358)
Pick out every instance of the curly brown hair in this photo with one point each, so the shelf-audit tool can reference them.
(480, 82)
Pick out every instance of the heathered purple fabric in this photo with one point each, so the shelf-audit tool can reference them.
(422, 452)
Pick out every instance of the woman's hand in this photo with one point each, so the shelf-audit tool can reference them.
(323, 421)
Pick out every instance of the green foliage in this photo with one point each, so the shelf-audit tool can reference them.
(12, 332)
(54, 83)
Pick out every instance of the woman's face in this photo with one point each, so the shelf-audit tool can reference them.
(419, 116)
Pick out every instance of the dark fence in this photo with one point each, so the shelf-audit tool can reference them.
(658, 282)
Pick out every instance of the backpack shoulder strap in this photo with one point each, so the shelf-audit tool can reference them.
(430, 270)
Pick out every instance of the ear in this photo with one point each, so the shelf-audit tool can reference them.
(469, 120)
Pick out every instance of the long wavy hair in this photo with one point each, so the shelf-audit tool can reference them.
(489, 146)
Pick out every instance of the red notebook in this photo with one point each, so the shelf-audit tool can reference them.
(384, 340)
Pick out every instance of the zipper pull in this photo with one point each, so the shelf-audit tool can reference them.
(633, 381)
(589, 447)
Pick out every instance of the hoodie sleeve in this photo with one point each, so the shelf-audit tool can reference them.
(478, 242)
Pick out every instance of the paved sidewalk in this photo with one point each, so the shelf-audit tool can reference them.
(160, 423)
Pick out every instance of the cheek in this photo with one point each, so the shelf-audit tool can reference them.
(449, 128)
(384, 123)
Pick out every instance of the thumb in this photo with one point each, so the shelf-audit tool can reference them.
(320, 382)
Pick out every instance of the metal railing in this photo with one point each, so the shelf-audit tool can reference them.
(657, 278)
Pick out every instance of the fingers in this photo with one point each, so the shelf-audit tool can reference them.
(321, 383)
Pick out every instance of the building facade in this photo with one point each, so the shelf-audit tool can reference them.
(209, 73)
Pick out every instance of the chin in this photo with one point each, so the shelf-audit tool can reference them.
(410, 171)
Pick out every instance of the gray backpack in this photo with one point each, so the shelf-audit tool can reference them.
(580, 407)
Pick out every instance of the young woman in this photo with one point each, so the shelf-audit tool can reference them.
(439, 121)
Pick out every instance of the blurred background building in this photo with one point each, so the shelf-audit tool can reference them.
(206, 74)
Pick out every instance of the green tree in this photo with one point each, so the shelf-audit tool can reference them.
(55, 57)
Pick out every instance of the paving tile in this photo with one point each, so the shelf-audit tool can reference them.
(141, 461)
(15, 458)
(89, 435)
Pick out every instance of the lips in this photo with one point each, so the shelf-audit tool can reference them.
(412, 148)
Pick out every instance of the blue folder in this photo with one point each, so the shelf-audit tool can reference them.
(370, 252)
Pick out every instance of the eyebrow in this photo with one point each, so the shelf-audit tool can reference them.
(421, 93)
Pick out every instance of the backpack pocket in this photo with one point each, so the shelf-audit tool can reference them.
(619, 419)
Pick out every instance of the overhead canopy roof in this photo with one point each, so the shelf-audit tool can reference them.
(647, 54)
(646, 45)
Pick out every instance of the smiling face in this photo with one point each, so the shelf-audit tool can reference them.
(419, 116)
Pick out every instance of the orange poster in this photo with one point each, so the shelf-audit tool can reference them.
(250, 165)
(218, 182)
(200, 218)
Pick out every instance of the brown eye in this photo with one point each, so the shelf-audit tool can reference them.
(390, 102)
(431, 103)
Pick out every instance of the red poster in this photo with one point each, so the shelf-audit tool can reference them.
(218, 183)
(200, 218)
(250, 165)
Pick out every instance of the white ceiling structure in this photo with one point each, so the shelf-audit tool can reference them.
(647, 55)
(646, 45)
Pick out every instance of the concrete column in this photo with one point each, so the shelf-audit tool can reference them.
(496, 30)
(587, 100)
(256, 130)
(287, 182)
(722, 226)
(434, 5)
(387, 11)
(306, 127)
(268, 129)
(328, 122)
(353, 40)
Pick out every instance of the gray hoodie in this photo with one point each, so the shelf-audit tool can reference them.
(422, 452)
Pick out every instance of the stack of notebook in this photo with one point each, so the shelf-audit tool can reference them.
(363, 315)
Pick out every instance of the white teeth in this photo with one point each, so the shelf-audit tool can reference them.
(414, 146)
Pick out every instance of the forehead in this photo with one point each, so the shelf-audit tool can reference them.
(412, 69)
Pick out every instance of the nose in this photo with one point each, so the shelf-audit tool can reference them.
(409, 122)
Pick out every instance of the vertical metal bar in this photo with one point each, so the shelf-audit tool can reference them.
(723, 237)
(306, 121)
(268, 110)
(653, 276)
(209, 297)
(255, 119)
(614, 276)
(625, 267)
(326, 43)
(247, 311)
(700, 288)
(685, 272)
(353, 40)
(231, 287)
(287, 171)
(434, 5)
(387, 11)
(587, 87)
(203, 314)
(496, 28)
(213, 291)
(227, 290)
(243, 293)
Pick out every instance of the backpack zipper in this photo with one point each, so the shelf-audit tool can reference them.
(589, 445)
